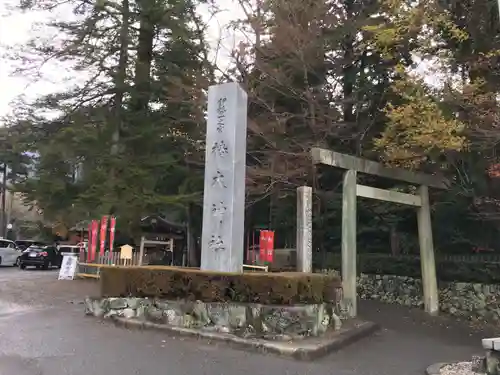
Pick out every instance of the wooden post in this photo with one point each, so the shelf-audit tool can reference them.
(349, 241)
(171, 250)
(428, 264)
(141, 251)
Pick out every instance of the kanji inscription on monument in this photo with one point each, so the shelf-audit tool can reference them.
(224, 193)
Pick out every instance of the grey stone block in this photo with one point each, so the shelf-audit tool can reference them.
(478, 364)
(492, 362)
(243, 320)
(117, 303)
(492, 343)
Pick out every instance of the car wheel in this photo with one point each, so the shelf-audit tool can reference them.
(17, 262)
(22, 266)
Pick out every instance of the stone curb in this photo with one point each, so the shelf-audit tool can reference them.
(306, 352)
(435, 369)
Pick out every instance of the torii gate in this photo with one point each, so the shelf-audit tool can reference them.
(350, 190)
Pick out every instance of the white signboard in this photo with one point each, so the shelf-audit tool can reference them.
(126, 252)
(68, 267)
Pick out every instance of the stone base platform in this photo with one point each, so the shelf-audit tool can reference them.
(270, 322)
(306, 349)
(299, 331)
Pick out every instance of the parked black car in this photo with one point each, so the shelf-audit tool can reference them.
(24, 244)
(40, 257)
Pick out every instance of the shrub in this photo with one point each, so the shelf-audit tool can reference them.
(447, 270)
(193, 284)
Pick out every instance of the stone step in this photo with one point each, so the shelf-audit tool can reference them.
(491, 343)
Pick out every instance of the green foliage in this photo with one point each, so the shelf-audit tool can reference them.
(447, 270)
(340, 75)
(127, 142)
(417, 129)
(192, 285)
(361, 95)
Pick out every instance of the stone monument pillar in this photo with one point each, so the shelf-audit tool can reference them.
(304, 229)
(224, 192)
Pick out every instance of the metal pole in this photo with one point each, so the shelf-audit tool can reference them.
(4, 193)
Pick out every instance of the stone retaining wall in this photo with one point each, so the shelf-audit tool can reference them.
(473, 301)
(245, 320)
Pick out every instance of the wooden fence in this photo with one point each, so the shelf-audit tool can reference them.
(92, 269)
(472, 258)
(112, 259)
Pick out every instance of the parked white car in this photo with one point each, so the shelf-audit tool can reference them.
(8, 253)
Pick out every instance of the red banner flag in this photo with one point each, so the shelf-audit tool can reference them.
(102, 235)
(263, 246)
(270, 246)
(93, 246)
(112, 226)
(266, 246)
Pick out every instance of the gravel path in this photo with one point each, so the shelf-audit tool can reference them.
(44, 332)
(459, 368)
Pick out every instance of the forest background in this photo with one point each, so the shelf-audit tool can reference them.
(128, 138)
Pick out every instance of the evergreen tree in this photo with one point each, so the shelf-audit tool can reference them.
(133, 127)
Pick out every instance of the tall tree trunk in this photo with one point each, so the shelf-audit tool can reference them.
(120, 87)
(349, 72)
(193, 250)
(142, 81)
(395, 243)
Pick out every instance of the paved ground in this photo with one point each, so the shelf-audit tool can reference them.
(43, 332)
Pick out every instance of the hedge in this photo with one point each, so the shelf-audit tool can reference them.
(447, 270)
(176, 283)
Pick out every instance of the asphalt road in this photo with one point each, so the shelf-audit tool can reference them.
(43, 331)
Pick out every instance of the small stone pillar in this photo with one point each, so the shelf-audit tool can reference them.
(349, 214)
(304, 229)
